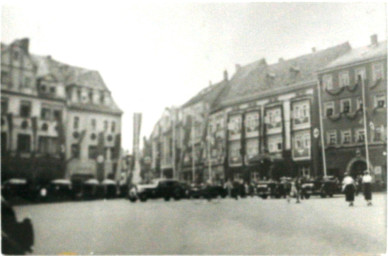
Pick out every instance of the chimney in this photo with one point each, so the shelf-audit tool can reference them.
(238, 67)
(24, 44)
(373, 39)
(226, 75)
(313, 49)
(281, 59)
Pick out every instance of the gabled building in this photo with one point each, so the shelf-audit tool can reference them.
(269, 117)
(51, 110)
(342, 83)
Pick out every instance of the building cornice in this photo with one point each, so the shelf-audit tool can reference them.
(348, 65)
(32, 96)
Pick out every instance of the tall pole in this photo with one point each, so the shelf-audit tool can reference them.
(193, 148)
(321, 128)
(209, 154)
(365, 121)
(173, 144)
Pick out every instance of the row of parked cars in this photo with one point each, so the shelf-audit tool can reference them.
(61, 189)
(170, 188)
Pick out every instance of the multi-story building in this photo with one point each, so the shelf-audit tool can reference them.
(270, 116)
(56, 118)
(343, 106)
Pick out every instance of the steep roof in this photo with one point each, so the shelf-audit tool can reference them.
(360, 54)
(69, 75)
(257, 78)
(209, 94)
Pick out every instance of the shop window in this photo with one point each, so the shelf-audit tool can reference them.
(329, 109)
(378, 71)
(360, 135)
(48, 145)
(346, 137)
(25, 109)
(75, 152)
(345, 105)
(331, 137)
(344, 79)
(327, 82)
(24, 143)
(76, 122)
(93, 152)
(380, 101)
(4, 105)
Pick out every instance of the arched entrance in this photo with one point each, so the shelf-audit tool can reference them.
(357, 168)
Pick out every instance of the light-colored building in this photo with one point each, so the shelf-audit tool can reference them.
(56, 118)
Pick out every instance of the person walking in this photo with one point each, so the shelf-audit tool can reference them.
(295, 188)
(349, 188)
(367, 187)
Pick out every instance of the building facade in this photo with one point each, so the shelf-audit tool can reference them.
(56, 118)
(343, 83)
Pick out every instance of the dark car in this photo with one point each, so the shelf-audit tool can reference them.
(160, 188)
(208, 191)
(329, 186)
(60, 189)
(16, 237)
(110, 188)
(13, 188)
(262, 189)
(274, 189)
(307, 189)
(91, 189)
(186, 188)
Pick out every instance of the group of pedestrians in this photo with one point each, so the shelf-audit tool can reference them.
(349, 188)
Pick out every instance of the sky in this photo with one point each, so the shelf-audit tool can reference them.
(155, 55)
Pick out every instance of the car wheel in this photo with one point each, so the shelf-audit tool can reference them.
(307, 196)
(167, 198)
(264, 196)
(323, 195)
(132, 199)
(142, 198)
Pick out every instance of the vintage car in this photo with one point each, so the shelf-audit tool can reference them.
(15, 188)
(207, 191)
(110, 188)
(59, 189)
(262, 189)
(307, 189)
(91, 189)
(159, 188)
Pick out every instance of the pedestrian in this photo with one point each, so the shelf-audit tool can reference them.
(367, 187)
(294, 191)
(349, 188)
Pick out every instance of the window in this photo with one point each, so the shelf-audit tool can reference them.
(79, 94)
(102, 98)
(113, 127)
(378, 71)
(76, 122)
(344, 79)
(360, 135)
(93, 124)
(346, 137)
(48, 145)
(75, 151)
(24, 143)
(306, 140)
(52, 90)
(92, 152)
(42, 88)
(25, 109)
(379, 134)
(301, 112)
(45, 113)
(327, 82)
(5, 77)
(275, 144)
(345, 105)
(15, 55)
(331, 137)
(360, 104)
(380, 101)
(329, 108)
(57, 114)
(27, 82)
(91, 96)
(105, 125)
(4, 105)
(360, 72)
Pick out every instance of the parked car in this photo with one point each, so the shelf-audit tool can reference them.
(159, 188)
(186, 189)
(274, 191)
(59, 189)
(262, 189)
(307, 189)
(91, 189)
(13, 188)
(330, 186)
(110, 188)
(16, 237)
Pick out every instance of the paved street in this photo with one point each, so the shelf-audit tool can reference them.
(247, 226)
